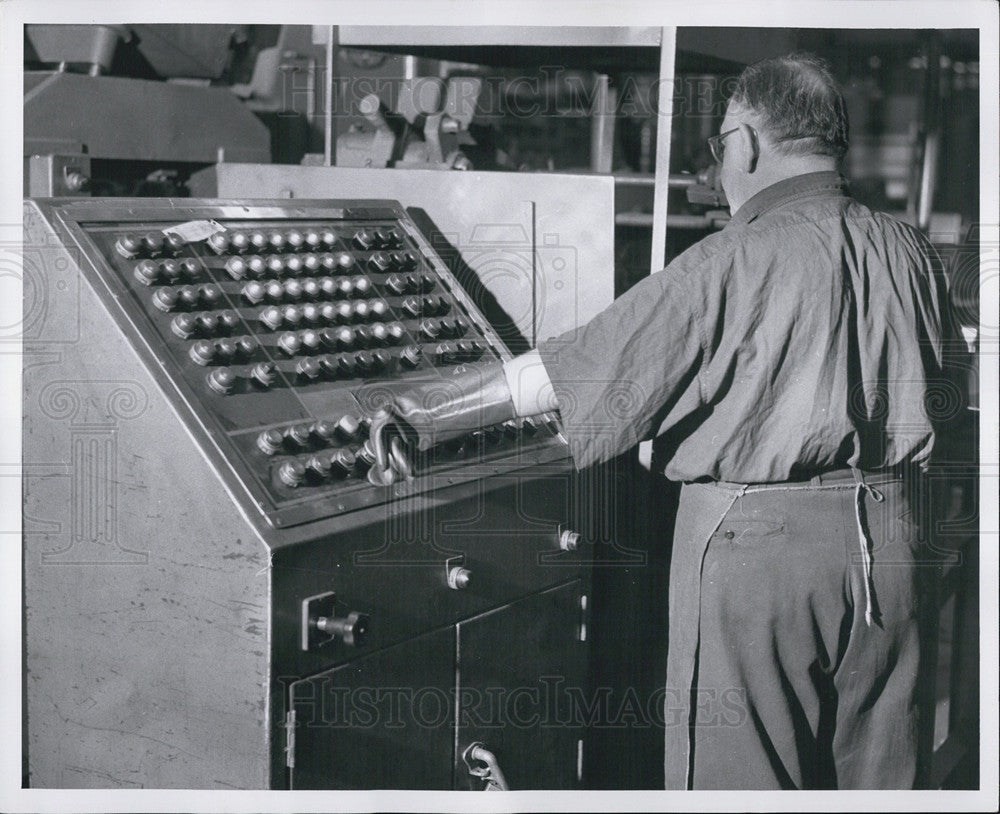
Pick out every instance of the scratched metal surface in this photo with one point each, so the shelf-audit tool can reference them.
(146, 592)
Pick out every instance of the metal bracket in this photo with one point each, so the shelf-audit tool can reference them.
(314, 607)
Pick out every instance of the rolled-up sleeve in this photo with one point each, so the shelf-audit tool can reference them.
(633, 369)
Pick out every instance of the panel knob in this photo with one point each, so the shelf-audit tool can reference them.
(226, 350)
(312, 239)
(290, 343)
(128, 245)
(396, 284)
(275, 263)
(319, 466)
(345, 337)
(325, 431)
(272, 317)
(364, 239)
(189, 269)
(247, 346)
(298, 435)
(293, 289)
(386, 236)
(430, 329)
(292, 473)
(311, 289)
(348, 427)
(202, 352)
(146, 272)
(293, 264)
(264, 373)
(308, 369)
(276, 240)
(311, 340)
(258, 241)
(410, 356)
(208, 324)
(210, 296)
(362, 336)
(188, 296)
(256, 266)
(239, 242)
(364, 361)
(222, 381)
(228, 321)
(184, 325)
(397, 332)
(310, 262)
(461, 325)
(165, 299)
(328, 262)
(379, 309)
(382, 359)
(329, 238)
(310, 313)
(447, 326)
(270, 442)
(360, 311)
(152, 243)
(294, 239)
(345, 288)
(328, 313)
(362, 285)
(254, 292)
(380, 334)
(328, 286)
(412, 306)
(292, 314)
(218, 242)
(379, 262)
(171, 270)
(342, 462)
(173, 243)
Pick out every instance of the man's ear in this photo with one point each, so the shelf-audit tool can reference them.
(752, 152)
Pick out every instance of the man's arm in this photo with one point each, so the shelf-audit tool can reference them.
(529, 384)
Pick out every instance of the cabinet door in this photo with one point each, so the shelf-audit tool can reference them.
(521, 677)
(383, 721)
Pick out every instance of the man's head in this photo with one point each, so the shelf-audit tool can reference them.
(787, 117)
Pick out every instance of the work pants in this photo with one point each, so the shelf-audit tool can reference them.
(794, 652)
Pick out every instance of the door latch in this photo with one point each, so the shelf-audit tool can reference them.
(483, 764)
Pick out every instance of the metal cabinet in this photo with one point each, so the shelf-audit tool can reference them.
(509, 680)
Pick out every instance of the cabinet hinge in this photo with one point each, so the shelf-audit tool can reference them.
(290, 739)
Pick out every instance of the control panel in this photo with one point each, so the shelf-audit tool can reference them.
(283, 329)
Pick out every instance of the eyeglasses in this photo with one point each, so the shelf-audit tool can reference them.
(717, 147)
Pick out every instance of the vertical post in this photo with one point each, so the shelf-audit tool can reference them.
(664, 112)
(329, 134)
(602, 126)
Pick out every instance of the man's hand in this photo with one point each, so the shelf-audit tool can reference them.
(466, 399)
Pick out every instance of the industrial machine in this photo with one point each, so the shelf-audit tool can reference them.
(230, 601)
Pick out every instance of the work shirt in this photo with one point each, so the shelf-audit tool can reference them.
(805, 336)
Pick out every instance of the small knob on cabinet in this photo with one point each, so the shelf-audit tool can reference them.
(352, 629)
(569, 540)
(222, 381)
(459, 578)
(291, 473)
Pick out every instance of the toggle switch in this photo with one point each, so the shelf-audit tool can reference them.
(264, 373)
(320, 625)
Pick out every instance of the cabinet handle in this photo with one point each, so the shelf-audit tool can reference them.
(490, 771)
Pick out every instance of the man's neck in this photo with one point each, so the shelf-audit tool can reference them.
(789, 167)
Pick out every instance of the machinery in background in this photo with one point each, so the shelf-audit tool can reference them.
(141, 130)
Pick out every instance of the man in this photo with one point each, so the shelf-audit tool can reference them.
(782, 366)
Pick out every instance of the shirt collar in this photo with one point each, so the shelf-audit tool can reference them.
(821, 184)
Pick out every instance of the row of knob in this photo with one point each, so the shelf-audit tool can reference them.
(302, 437)
(149, 244)
(257, 291)
(325, 367)
(293, 240)
(324, 467)
(256, 266)
(361, 311)
(150, 272)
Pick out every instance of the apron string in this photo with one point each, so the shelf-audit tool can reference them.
(864, 540)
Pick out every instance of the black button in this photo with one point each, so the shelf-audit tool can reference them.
(729, 534)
